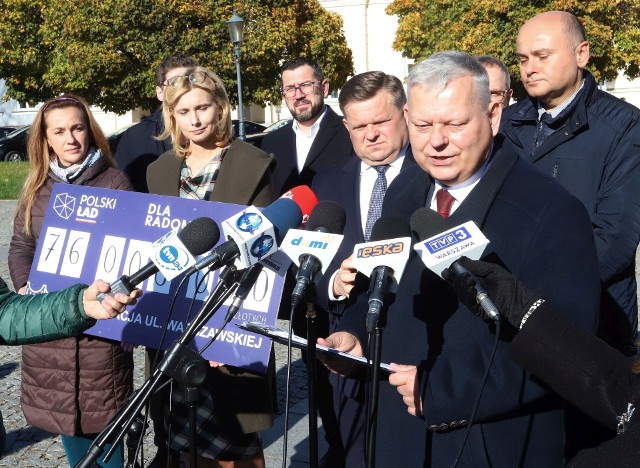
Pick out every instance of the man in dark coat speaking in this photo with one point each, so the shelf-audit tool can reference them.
(443, 351)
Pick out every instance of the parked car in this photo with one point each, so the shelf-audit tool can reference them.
(250, 127)
(13, 147)
(276, 125)
(4, 131)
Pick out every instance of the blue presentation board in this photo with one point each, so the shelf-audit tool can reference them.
(90, 233)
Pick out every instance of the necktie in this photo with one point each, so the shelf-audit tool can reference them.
(375, 203)
(444, 201)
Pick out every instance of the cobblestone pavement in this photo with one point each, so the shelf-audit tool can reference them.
(31, 447)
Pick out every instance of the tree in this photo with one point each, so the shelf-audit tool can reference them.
(491, 27)
(106, 50)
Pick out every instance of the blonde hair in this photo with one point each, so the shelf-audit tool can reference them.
(214, 86)
(40, 156)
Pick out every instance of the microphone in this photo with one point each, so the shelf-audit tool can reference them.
(247, 281)
(315, 247)
(282, 215)
(198, 236)
(450, 245)
(304, 198)
(383, 259)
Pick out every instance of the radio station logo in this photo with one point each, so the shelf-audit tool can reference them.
(173, 257)
(379, 250)
(447, 240)
(249, 222)
(262, 246)
(312, 244)
(64, 205)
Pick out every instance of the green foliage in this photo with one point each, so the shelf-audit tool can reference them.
(12, 177)
(491, 27)
(107, 50)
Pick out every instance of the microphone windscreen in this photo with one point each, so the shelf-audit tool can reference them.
(200, 235)
(426, 223)
(390, 227)
(327, 216)
(284, 214)
(304, 198)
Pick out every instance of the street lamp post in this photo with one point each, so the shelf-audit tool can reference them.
(236, 27)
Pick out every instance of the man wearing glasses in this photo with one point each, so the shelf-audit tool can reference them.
(316, 138)
(499, 79)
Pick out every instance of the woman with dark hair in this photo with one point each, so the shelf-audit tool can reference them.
(72, 386)
(207, 163)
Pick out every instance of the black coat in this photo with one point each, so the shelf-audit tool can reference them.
(138, 148)
(518, 422)
(595, 154)
(330, 146)
(589, 374)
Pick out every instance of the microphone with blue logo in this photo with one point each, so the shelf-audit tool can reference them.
(442, 246)
(313, 248)
(173, 253)
(253, 235)
(383, 260)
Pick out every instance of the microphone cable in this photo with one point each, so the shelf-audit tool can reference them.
(479, 396)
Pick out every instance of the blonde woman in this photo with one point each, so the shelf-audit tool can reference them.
(207, 163)
(72, 386)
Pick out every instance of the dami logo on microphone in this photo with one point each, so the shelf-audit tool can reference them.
(447, 240)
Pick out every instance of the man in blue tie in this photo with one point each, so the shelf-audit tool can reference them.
(372, 104)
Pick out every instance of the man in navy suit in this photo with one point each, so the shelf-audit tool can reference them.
(316, 138)
(537, 230)
(372, 104)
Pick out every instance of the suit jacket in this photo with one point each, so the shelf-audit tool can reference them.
(518, 422)
(588, 373)
(341, 184)
(244, 401)
(330, 146)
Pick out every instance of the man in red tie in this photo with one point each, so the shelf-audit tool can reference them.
(443, 351)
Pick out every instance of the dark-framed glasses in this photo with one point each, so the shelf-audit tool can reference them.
(193, 77)
(307, 87)
(498, 95)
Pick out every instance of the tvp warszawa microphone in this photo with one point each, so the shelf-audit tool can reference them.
(314, 248)
(442, 247)
(383, 260)
(172, 254)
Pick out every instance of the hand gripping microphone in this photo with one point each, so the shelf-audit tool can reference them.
(314, 248)
(198, 236)
(383, 259)
(441, 247)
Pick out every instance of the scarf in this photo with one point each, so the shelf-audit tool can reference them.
(68, 174)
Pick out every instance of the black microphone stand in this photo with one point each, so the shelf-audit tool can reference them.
(376, 321)
(312, 375)
(180, 363)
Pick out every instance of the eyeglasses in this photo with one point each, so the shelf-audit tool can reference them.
(193, 77)
(307, 87)
(498, 95)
